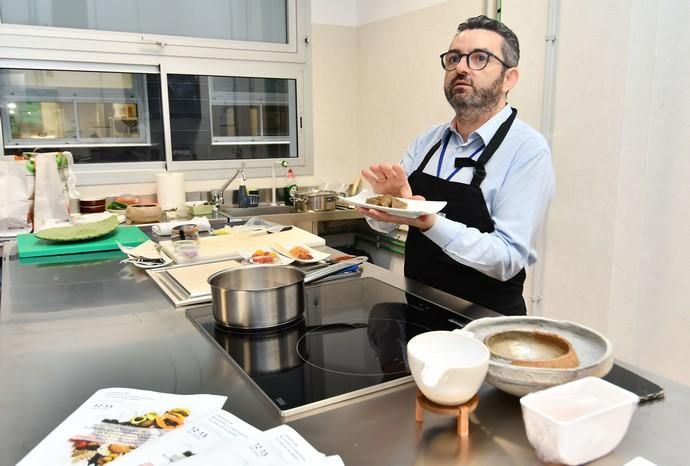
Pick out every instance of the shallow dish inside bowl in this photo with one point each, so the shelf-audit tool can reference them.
(532, 348)
(594, 351)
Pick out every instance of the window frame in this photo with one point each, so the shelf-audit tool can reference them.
(144, 128)
(250, 70)
(36, 47)
(139, 43)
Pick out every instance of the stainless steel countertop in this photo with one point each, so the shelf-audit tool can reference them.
(69, 330)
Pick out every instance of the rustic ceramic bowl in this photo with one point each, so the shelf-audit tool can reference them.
(594, 352)
(144, 213)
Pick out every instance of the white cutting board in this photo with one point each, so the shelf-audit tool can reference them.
(230, 245)
(193, 278)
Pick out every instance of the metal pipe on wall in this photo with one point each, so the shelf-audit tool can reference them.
(550, 68)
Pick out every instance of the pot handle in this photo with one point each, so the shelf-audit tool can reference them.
(331, 269)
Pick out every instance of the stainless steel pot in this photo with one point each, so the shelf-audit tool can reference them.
(261, 297)
(315, 200)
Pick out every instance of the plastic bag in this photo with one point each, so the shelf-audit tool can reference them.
(53, 189)
(15, 202)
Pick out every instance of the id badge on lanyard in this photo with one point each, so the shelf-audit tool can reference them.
(443, 153)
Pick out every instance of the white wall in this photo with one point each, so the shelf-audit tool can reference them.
(334, 12)
(616, 256)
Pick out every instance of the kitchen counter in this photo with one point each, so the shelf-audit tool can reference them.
(68, 330)
(308, 220)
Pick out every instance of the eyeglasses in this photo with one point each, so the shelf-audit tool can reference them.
(476, 59)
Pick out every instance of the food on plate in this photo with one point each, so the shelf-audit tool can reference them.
(298, 252)
(386, 200)
(263, 257)
(114, 205)
(79, 232)
(127, 199)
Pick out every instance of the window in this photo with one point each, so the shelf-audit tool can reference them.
(231, 118)
(99, 116)
(246, 20)
(196, 87)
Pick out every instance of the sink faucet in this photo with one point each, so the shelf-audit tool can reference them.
(215, 196)
(282, 163)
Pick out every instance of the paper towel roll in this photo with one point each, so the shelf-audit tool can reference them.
(170, 190)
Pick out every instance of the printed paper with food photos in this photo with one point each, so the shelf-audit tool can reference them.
(116, 421)
(211, 431)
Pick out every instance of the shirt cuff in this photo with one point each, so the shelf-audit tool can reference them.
(442, 231)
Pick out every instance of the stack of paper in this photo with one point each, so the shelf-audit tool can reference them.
(137, 427)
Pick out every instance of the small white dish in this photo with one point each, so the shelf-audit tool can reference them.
(284, 250)
(577, 422)
(415, 208)
(147, 249)
(248, 258)
(166, 261)
(79, 219)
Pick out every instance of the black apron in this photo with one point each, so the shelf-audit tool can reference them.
(426, 262)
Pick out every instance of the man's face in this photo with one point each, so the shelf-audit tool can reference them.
(469, 90)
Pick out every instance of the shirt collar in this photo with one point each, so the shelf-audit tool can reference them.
(487, 130)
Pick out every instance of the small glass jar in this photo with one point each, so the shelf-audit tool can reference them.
(186, 250)
(186, 232)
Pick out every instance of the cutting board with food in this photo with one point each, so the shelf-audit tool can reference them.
(91, 237)
(233, 244)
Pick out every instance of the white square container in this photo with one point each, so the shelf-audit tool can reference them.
(578, 421)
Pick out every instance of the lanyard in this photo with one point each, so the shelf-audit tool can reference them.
(443, 152)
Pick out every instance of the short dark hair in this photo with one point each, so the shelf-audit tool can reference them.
(511, 46)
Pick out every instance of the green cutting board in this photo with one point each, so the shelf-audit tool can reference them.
(30, 246)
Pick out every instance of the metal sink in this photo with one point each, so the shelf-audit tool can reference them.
(257, 211)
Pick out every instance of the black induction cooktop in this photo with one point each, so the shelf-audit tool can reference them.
(351, 341)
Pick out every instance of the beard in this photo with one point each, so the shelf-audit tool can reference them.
(472, 102)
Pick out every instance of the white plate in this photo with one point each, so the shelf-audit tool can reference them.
(281, 260)
(146, 249)
(78, 219)
(414, 208)
(284, 250)
(164, 256)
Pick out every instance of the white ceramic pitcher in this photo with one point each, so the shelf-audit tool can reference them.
(448, 366)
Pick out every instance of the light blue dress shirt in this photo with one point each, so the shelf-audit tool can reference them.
(518, 188)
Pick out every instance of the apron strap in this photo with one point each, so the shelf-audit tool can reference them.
(496, 140)
(428, 155)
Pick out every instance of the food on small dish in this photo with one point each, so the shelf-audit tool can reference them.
(298, 252)
(415, 207)
(80, 231)
(263, 257)
(127, 199)
(386, 200)
(115, 205)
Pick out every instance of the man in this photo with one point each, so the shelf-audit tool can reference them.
(494, 171)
